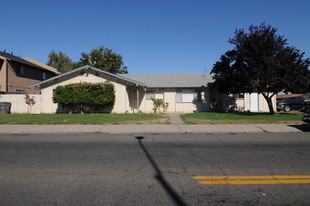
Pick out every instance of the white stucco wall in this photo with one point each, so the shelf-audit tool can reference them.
(169, 96)
(146, 105)
(120, 93)
(262, 104)
(240, 105)
(177, 107)
(18, 104)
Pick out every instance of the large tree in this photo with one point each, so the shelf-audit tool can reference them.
(261, 61)
(60, 61)
(105, 59)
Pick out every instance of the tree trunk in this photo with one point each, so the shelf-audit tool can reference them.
(269, 102)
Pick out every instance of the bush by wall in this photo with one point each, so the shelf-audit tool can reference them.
(159, 103)
(85, 96)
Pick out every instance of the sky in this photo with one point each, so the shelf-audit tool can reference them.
(152, 36)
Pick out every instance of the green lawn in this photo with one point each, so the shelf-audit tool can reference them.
(231, 118)
(83, 119)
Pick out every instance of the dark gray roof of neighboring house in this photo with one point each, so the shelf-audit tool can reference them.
(40, 64)
(172, 80)
(20, 60)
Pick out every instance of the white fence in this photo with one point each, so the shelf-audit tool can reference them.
(18, 104)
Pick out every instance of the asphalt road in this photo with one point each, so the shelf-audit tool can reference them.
(151, 169)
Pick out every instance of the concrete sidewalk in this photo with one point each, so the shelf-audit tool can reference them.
(126, 129)
(175, 118)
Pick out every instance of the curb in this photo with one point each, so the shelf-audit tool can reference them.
(127, 129)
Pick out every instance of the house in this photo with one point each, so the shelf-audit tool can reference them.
(52, 69)
(134, 92)
(17, 74)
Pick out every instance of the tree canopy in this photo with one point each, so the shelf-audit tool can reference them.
(262, 62)
(101, 58)
(105, 59)
(60, 61)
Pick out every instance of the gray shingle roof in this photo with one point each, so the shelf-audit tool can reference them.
(178, 80)
(171, 80)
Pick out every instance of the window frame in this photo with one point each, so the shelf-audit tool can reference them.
(238, 96)
(182, 95)
(21, 70)
(20, 91)
(44, 75)
(152, 93)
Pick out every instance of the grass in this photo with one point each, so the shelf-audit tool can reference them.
(237, 118)
(83, 119)
(193, 118)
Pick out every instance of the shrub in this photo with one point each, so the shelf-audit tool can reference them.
(30, 102)
(159, 103)
(85, 95)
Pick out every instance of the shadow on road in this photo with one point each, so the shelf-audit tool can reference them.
(159, 177)
(302, 127)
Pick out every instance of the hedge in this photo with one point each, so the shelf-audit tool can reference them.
(85, 94)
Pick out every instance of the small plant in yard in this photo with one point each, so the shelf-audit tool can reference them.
(159, 103)
(30, 102)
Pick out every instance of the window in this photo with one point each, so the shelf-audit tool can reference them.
(20, 91)
(21, 70)
(239, 96)
(43, 75)
(188, 95)
(159, 95)
(150, 94)
(154, 94)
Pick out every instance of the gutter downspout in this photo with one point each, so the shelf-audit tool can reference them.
(7, 76)
(138, 98)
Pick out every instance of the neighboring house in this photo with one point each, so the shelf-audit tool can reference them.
(45, 66)
(134, 92)
(17, 74)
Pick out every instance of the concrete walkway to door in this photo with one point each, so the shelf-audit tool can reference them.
(175, 118)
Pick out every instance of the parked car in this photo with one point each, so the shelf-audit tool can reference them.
(291, 103)
(306, 110)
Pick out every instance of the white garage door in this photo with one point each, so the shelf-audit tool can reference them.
(254, 102)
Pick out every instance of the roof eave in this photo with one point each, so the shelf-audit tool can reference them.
(38, 85)
(118, 76)
(191, 86)
(31, 65)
